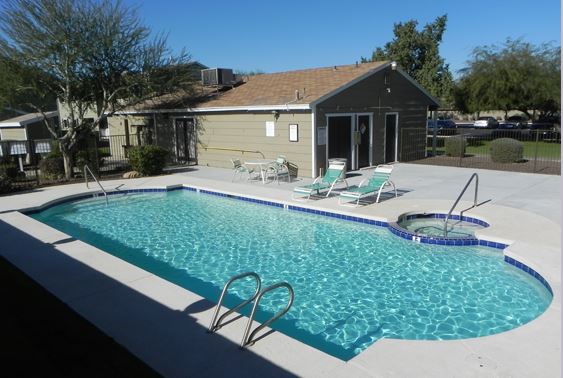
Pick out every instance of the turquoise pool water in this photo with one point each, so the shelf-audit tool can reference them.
(354, 283)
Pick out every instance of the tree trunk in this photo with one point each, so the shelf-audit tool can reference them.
(67, 159)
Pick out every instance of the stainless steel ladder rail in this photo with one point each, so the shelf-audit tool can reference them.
(248, 339)
(88, 170)
(216, 323)
(473, 176)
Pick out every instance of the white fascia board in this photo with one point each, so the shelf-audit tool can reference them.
(10, 124)
(350, 83)
(282, 107)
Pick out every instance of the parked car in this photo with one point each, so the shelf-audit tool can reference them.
(446, 124)
(487, 122)
(508, 125)
(519, 120)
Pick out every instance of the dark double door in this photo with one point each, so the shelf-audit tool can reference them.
(185, 140)
(349, 138)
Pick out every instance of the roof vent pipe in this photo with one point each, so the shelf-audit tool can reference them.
(296, 94)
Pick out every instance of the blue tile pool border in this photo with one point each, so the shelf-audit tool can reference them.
(391, 226)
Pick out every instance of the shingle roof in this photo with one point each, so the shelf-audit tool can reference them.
(27, 119)
(279, 88)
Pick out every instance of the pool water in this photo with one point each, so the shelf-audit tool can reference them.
(354, 283)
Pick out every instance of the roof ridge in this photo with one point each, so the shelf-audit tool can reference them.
(379, 62)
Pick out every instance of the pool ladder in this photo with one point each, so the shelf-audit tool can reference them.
(475, 204)
(248, 337)
(88, 170)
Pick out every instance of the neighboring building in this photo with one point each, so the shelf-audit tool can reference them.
(357, 112)
(27, 127)
(16, 135)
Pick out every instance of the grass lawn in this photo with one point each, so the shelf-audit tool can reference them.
(545, 150)
(43, 337)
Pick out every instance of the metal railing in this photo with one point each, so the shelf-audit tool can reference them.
(473, 176)
(235, 150)
(247, 339)
(88, 170)
(216, 323)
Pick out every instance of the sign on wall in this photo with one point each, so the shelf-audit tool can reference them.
(321, 136)
(293, 132)
(270, 129)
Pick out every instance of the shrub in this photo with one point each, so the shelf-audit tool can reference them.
(455, 146)
(506, 150)
(52, 168)
(148, 160)
(88, 157)
(8, 169)
(5, 184)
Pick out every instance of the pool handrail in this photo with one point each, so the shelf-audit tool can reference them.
(248, 339)
(473, 176)
(88, 170)
(216, 323)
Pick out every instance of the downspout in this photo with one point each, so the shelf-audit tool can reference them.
(314, 141)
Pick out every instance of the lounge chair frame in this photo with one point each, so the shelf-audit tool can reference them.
(357, 196)
(318, 185)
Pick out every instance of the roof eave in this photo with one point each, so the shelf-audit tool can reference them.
(286, 107)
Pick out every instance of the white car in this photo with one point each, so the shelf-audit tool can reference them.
(486, 123)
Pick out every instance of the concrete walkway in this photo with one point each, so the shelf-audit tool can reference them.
(164, 324)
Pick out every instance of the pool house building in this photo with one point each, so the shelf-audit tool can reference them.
(356, 112)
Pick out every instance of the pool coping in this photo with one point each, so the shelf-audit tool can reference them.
(383, 347)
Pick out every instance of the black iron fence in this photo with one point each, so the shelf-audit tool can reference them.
(26, 164)
(541, 149)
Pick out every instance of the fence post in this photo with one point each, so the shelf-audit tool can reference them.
(536, 151)
(98, 168)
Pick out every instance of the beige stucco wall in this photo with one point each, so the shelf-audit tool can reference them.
(12, 133)
(248, 132)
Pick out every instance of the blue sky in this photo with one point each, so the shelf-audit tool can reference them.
(275, 36)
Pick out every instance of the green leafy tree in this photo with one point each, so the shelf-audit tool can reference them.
(513, 76)
(99, 55)
(417, 52)
(21, 86)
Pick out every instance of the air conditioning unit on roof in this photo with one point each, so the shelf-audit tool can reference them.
(217, 76)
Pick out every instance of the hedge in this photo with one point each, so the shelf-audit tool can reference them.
(148, 160)
(455, 146)
(506, 150)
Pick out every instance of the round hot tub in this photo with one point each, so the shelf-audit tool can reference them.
(432, 228)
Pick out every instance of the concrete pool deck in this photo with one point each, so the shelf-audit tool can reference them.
(164, 324)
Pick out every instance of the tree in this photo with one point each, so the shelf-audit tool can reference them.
(20, 85)
(417, 52)
(97, 53)
(513, 76)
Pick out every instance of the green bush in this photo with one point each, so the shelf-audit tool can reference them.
(455, 146)
(506, 150)
(148, 160)
(8, 169)
(5, 184)
(52, 168)
(88, 157)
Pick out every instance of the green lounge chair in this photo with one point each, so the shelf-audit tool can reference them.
(332, 177)
(375, 184)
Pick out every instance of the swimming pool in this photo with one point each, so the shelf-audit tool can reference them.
(354, 283)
